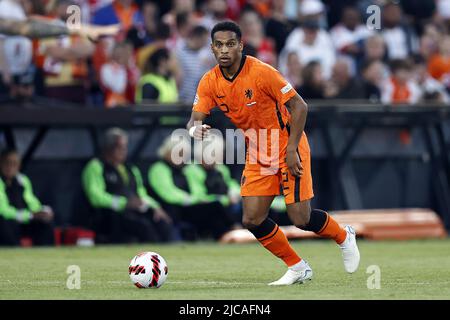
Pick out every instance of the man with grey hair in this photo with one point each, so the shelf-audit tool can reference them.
(123, 210)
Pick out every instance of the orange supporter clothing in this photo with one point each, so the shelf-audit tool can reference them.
(125, 14)
(438, 66)
(254, 100)
(400, 93)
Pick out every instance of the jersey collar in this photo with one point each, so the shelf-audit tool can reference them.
(244, 57)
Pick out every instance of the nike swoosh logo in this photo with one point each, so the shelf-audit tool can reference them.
(220, 97)
(251, 104)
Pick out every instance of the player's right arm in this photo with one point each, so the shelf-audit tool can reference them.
(196, 128)
(203, 103)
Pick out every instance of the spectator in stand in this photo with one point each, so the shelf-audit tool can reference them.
(278, 26)
(294, 70)
(349, 34)
(335, 8)
(64, 60)
(345, 85)
(123, 12)
(253, 34)
(373, 74)
(122, 209)
(431, 89)
(21, 212)
(439, 64)
(15, 51)
(22, 86)
(374, 48)
(143, 34)
(442, 15)
(194, 59)
(178, 7)
(262, 7)
(430, 40)
(418, 11)
(399, 36)
(400, 88)
(114, 76)
(313, 86)
(158, 83)
(162, 37)
(310, 42)
(215, 11)
(185, 21)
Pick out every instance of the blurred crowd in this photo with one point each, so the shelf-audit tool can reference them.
(399, 54)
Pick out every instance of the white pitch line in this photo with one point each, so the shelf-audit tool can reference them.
(217, 283)
(118, 282)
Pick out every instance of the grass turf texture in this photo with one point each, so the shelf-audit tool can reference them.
(409, 270)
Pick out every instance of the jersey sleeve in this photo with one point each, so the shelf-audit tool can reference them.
(275, 85)
(204, 100)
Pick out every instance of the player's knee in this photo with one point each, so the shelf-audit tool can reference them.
(302, 224)
(302, 218)
(315, 222)
(251, 222)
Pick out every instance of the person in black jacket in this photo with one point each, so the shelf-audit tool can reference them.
(21, 212)
(123, 211)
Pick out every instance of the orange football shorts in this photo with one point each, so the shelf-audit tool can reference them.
(255, 182)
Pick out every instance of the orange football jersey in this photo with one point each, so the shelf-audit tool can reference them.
(253, 99)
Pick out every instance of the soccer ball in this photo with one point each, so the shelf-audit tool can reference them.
(148, 270)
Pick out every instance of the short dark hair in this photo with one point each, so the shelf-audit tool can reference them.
(418, 59)
(7, 151)
(366, 64)
(400, 64)
(155, 59)
(227, 26)
(163, 31)
(198, 31)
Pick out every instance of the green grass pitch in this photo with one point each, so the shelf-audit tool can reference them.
(409, 270)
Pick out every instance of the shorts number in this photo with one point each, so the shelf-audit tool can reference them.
(285, 180)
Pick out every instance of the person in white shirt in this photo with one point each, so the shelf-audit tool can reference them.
(310, 43)
(400, 39)
(348, 35)
(15, 51)
(430, 88)
(401, 87)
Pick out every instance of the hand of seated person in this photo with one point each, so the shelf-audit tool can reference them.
(46, 214)
(135, 203)
(159, 214)
(235, 197)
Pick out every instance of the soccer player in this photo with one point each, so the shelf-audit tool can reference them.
(255, 97)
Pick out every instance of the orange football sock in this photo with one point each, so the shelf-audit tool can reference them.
(331, 229)
(277, 243)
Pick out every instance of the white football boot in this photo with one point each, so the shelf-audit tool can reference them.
(298, 273)
(350, 252)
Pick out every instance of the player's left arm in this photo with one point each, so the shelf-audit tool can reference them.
(275, 85)
(299, 111)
